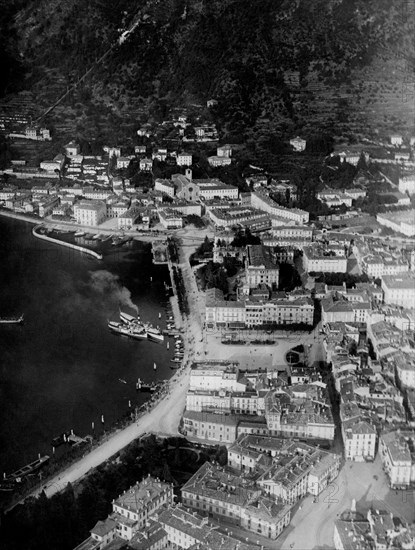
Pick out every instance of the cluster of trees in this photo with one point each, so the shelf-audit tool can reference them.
(5, 154)
(181, 290)
(197, 221)
(214, 275)
(64, 520)
(288, 278)
(206, 248)
(244, 237)
(172, 249)
(340, 278)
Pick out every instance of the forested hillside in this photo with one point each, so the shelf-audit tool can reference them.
(276, 66)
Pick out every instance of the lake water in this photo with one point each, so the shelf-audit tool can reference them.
(61, 370)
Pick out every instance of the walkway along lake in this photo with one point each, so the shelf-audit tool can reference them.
(63, 369)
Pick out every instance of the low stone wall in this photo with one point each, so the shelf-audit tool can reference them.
(63, 243)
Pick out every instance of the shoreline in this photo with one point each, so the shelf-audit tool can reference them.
(162, 418)
(61, 224)
(160, 415)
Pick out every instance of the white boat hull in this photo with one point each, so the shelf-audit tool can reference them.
(155, 337)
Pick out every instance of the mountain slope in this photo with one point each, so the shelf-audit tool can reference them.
(276, 66)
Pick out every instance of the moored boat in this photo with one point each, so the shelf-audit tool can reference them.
(12, 320)
(119, 328)
(138, 332)
(29, 468)
(154, 333)
(127, 318)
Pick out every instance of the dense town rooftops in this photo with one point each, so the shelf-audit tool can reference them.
(399, 281)
(351, 427)
(354, 534)
(397, 447)
(90, 205)
(102, 528)
(260, 256)
(147, 539)
(214, 482)
(403, 361)
(317, 252)
(198, 527)
(137, 495)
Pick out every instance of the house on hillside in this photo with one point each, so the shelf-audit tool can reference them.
(298, 144)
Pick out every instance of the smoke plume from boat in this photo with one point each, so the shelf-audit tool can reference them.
(109, 285)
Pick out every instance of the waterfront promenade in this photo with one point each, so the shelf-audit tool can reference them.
(162, 419)
(164, 415)
(68, 226)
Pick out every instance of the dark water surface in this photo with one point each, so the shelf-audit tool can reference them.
(61, 369)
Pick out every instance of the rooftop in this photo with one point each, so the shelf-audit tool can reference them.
(139, 494)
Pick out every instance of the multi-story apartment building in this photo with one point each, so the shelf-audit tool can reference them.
(399, 221)
(342, 310)
(399, 290)
(299, 411)
(132, 509)
(212, 490)
(289, 235)
(165, 186)
(261, 200)
(210, 189)
(386, 338)
(47, 204)
(217, 376)
(334, 198)
(140, 149)
(184, 159)
(260, 267)
(319, 260)
(131, 512)
(99, 194)
(187, 529)
(397, 453)
(170, 218)
(232, 216)
(146, 165)
(404, 369)
(218, 428)
(90, 212)
(359, 439)
(287, 469)
(123, 162)
(221, 314)
(247, 402)
(377, 266)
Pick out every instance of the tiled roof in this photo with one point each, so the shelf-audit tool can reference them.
(102, 528)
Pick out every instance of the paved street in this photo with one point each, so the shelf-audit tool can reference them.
(312, 525)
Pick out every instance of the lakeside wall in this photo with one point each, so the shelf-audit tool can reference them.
(20, 217)
(69, 245)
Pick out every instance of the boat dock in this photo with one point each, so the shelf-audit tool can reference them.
(64, 243)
